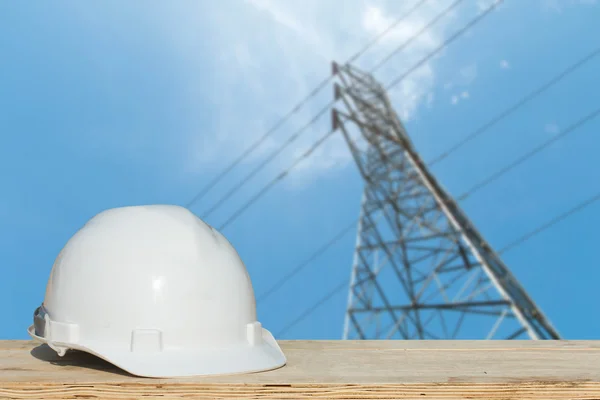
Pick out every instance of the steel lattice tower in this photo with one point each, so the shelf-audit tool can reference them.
(421, 269)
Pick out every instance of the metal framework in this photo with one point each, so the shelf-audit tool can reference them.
(421, 269)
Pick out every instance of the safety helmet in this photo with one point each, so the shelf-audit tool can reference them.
(157, 292)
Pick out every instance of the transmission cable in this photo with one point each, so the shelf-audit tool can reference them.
(265, 189)
(298, 106)
(579, 207)
(478, 186)
(550, 224)
(313, 257)
(416, 36)
(278, 178)
(516, 106)
(270, 158)
(377, 38)
(530, 154)
(449, 40)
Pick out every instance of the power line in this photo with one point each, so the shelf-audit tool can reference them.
(573, 127)
(377, 38)
(278, 178)
(517, 242)
(449, 40)
(414, 37)
(270, 158)
(314, 307)
(270, 184)
(301, 266)
(523, 101)
(256, 144)
(512, 245)
(462, 197)
(298, 106)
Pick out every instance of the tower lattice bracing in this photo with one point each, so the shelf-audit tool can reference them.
(421, 269)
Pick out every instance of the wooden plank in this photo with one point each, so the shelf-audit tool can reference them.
(330, 369)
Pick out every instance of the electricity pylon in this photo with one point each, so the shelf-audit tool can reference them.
(421, 269)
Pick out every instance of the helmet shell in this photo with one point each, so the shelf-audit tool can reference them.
(154, 280)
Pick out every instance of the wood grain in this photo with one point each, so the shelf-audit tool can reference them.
(330, 369)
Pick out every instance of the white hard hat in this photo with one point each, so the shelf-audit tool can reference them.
(157, 292)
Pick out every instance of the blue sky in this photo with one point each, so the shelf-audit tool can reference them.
(112, 104)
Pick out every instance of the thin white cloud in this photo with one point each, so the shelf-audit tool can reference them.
(252, 61)
(483, 4)
(464, 95)
(558, 6)
(504, 64)
(279, 15)
(463, 78)
(552, 128)
(377, 19)
(284, 48)
(430, 100)
(552, 6)
(468, 74)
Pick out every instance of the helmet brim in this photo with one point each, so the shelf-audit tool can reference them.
(171, 363)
